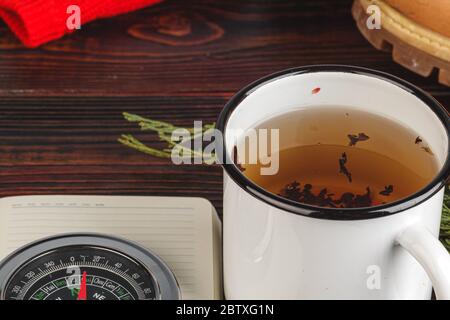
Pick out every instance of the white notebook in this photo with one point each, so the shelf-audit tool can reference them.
(184, 232)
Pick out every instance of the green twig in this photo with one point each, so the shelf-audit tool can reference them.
(132, 142)
(164, 131)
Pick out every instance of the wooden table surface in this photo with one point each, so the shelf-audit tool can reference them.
(61, 105)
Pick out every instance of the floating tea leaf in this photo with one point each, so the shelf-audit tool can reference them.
(428, 150)
(364, 200)
(424, 146)
(293, 191)
(342, 168)
(387, 190)
(356, 138)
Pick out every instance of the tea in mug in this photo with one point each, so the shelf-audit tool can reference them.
(342, 157)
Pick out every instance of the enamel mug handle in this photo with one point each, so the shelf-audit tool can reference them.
(432, 255)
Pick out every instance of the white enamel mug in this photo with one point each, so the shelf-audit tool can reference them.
(275, 248)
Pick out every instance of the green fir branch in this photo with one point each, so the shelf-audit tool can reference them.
(164, 131)
(132, 142)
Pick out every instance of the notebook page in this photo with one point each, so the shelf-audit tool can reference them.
(179, 230)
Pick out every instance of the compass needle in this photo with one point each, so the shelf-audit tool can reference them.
(82, 294)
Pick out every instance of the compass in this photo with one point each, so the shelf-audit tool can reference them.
(86, 267)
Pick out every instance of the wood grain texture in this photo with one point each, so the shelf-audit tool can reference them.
(69, 146)
(61, 104)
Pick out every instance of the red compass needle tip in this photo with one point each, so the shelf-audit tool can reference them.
(82, 295)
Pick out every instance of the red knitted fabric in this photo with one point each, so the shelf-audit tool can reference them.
(38, 21)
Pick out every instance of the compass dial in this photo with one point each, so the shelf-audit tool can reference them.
(85, 267)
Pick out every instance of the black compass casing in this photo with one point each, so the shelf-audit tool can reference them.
(112, 268)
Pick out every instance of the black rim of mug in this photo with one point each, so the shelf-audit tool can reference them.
(362, 213)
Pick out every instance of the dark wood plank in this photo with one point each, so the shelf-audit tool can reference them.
(194, 48)
(69, 146)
